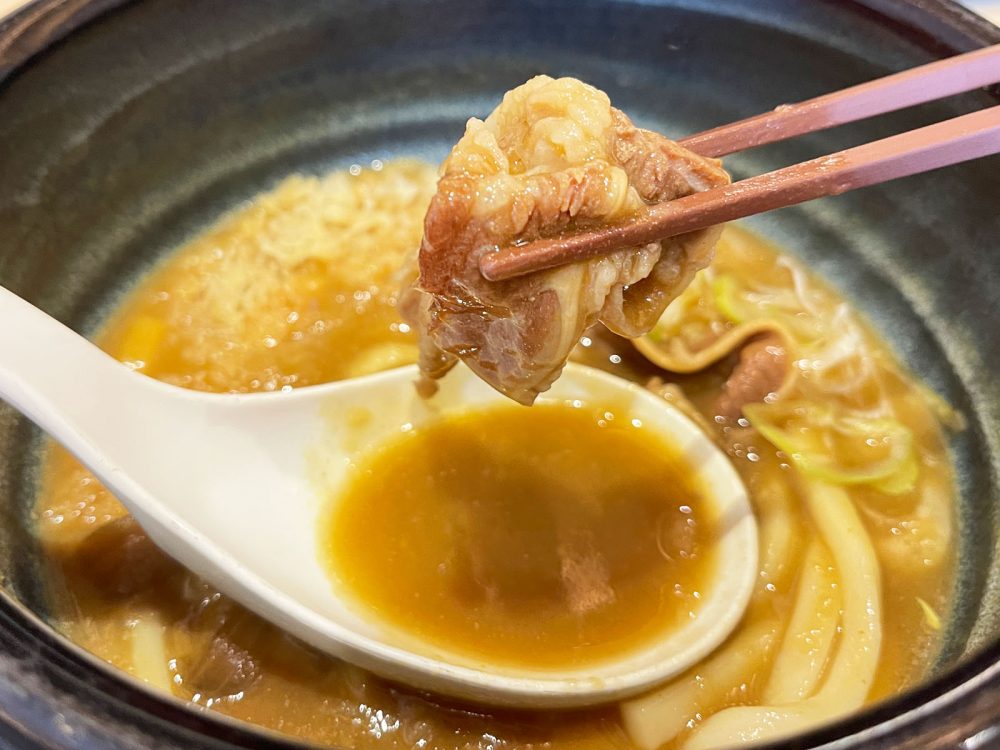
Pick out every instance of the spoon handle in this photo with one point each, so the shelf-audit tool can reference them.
(55, 377)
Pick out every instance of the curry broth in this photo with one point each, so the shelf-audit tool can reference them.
(500, 535)
(299, 288)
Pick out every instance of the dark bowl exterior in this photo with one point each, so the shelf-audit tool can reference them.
(125, 127)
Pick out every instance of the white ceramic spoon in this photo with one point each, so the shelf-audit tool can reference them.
(232, 486)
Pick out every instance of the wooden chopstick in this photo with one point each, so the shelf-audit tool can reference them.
(936, 80)
(951, 142)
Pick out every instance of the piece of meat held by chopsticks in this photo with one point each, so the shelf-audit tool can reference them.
(555, 156)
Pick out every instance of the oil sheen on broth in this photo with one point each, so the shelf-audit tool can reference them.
(501, 535)
(299, 288)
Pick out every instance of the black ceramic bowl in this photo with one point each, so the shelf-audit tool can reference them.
(126, 127)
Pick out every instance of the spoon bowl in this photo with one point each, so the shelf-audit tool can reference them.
(232, 486)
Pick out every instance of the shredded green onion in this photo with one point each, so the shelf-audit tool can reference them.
(725, 293)
(739, 304)
(930, 616)
(949, 416)
(810, 435)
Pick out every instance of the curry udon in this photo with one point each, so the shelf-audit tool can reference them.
(841, 449)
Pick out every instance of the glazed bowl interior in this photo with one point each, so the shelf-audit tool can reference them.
(141, 127)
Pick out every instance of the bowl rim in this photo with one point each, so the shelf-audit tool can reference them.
(945, 711)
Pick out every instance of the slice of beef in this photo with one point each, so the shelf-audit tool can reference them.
(119, 561)
(554, 156)
(760, 372)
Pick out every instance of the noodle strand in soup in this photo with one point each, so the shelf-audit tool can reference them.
(812, 630)
(852, 671)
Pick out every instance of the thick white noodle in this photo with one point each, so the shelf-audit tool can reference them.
(808, 640)
(926, 529)
(149, 651)
(780, 543)
(658, 717)
(852, 672)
